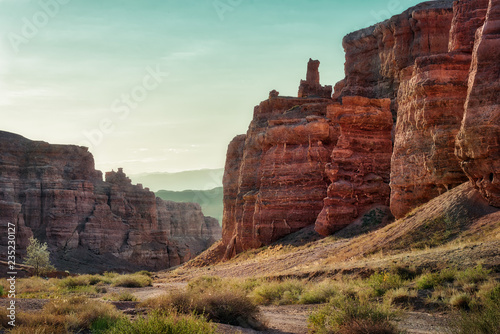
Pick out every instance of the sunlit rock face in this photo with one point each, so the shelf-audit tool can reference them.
(54, 193)
(478, 143)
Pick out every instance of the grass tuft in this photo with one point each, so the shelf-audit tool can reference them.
(351, 315)
(133, 281)
(160, 322)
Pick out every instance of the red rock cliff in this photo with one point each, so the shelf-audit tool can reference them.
(54, 193)
(478, 143)
(413, 73)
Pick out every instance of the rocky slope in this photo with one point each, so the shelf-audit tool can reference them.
(54, 193)
(386, 136)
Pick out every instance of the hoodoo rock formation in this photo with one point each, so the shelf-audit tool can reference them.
(54, 193)
(416, 115)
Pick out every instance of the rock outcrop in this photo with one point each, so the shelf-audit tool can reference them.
(54, 193)
(359, 171)
(415, 71)
(478, 143)
(311, 87)
(277, 175)
(274, 178)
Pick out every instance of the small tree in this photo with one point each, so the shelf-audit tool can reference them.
(38, 257)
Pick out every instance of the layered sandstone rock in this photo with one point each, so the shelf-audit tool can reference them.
(277, 175)
(54, 193)
(274, 178)
(430, 111)
(376, 55)
(478, 143)
(359, 171)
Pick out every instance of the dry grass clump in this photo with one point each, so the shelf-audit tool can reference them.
(319, 293)
(349, 315)
(132, 281)
(401, 296)
(210, 298)
(160, 322)
(384, 281)
(36, 287)
(278, 293)
(67, 315)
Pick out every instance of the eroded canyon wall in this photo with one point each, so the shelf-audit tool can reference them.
(54, 193)
(413, 83)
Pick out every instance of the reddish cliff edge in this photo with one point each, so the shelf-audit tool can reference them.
(54, 193)
(387, 135)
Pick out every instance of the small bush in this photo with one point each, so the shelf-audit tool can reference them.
(473, 275)
(342, 314)
(231, 307)
(3, 292)
(159, 322)
(318, 293)
(132, 281)
(400, 296)
(432, 280)
(66, 315)
(36, 287)
(381, 282)
(278, 293)
(73, 282)
(460, 301)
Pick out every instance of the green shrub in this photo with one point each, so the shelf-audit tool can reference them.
(345, 315)
(77, 314)
(473, 275)
(318, 293)
(381, 282)
(132, 281)
(3, 292)
(278, 293)
(432, 280)
(159, 322)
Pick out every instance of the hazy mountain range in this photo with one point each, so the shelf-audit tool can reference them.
(210, 200)
(199, 186)
(203, 179)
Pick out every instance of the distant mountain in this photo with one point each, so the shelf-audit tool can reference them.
(210, 200)
(203, 179)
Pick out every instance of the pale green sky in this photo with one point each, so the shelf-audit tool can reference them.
(163, 85)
